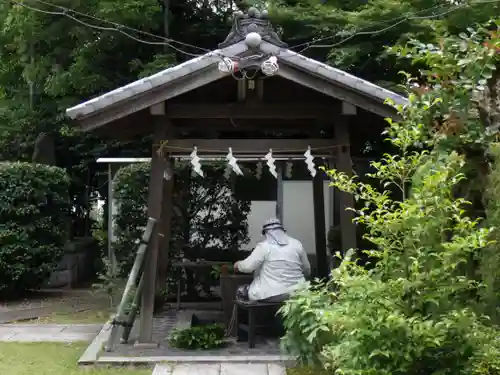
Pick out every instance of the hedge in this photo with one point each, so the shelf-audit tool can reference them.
(34, 213)
(131, 195)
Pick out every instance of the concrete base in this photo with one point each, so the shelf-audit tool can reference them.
(48, 332)
(91, 354)
(220, 369)
(146, 345)
(140, 361)
(149, 354)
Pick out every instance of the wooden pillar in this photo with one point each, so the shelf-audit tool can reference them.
(344, 164)
(111, 229)
(331, 216)
(279, 193)
(155, 198)
(165, 224)
(319, 225)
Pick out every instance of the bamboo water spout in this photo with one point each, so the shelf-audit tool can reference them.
(120, 319)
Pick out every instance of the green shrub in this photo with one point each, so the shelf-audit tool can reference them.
(364, 327)
(301, 370)
(199, 337)
(131, 194)
(34, 214)
(418, 311)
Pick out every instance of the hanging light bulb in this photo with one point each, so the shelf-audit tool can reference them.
(270, 163)
(227, 65)
(258, 171)
(288, 169)
(270, 66)
(233, 162)
(195, 162)
(310, 162)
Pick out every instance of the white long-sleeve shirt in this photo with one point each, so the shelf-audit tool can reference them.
(277, 269)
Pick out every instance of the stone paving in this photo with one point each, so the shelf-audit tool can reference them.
(48, 332)
(220, 369)
(87, 332)
(164, 323)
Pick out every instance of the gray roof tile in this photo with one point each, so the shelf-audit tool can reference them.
(175, 73)
(145, 84)
(333, 74)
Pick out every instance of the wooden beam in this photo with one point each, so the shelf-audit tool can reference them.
(279, 193)
(149, 98)
(236, 126)
(242, 90)
(319, 225)
(344, 164)
(111, 251)
(336, 91)
(251, 110)
(157, 109)
(348, 109)
(165, 227)
(249, 146)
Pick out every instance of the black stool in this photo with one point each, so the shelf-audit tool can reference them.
(253, 308)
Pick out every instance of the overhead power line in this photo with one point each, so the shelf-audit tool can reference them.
(122, 29)
(116, 27)
(394, 23)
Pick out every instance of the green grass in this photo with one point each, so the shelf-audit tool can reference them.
(61, 359)
(306, 371)
(53, 359)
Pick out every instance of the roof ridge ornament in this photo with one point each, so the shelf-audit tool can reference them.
(252, 22)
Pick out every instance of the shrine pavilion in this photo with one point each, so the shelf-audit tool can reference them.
(254, 96)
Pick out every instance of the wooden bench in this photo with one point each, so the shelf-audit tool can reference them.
(253, 308)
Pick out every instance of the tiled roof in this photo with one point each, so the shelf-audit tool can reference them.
(162, 78)
(177, 73)
(334, 75)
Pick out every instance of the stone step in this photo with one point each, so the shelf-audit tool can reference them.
(220, 369)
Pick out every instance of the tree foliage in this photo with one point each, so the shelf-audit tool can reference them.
(49, 61)
(426, 305)
(353, 35)
(34, 206)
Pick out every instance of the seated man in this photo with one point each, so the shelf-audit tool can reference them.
(279, 264)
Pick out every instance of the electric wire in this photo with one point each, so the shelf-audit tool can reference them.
(66, 12)
(119, 25)
(398, 22)
(395, 22)
(119, 29)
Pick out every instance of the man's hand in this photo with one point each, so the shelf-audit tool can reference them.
(235, 266)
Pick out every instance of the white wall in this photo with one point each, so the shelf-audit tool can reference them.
(298, 211)
(298, 214)
(260, 211)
